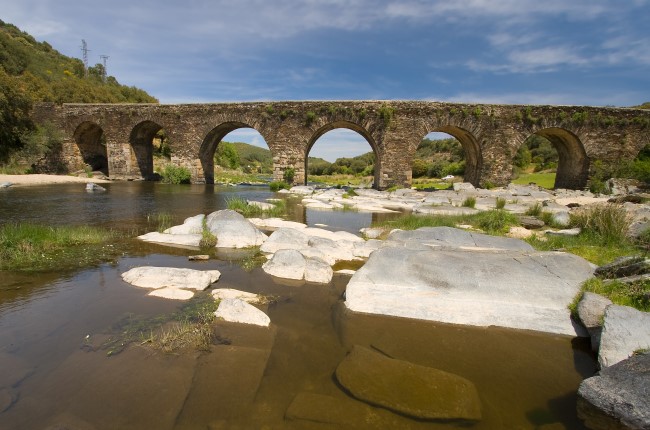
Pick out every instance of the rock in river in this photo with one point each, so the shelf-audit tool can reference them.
(430, 279)
(238, 311)
(170, 277)
(233, 230)
(619, 393)
(406, 388)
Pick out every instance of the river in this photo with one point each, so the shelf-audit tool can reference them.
(53, 373)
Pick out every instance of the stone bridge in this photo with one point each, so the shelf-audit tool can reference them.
(118, 138)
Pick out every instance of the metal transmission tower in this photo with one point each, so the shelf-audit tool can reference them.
(84, 53)
(105, 71)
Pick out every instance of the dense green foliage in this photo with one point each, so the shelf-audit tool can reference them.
(172, 174)
(438, 158)
(537, 150)
(32, 71)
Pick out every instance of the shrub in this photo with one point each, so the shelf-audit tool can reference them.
(469, 202)
(172, 174)
(278, 185)
(609, 222)
(288, 175)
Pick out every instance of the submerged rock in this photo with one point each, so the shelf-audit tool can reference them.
(406, 388)
(625, 330)
(238, 311)
(6, 184)
(229, 293)
(172, 293)
(619, 393)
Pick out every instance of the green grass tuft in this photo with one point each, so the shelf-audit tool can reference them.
(241, 205)
(37, 247)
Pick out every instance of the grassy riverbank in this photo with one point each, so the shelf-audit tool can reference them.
(37, 247)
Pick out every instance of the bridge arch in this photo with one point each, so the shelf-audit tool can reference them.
(349, 125)
(573, 162)
(471, 149)
(212, 140)
(91, 143)
(141, 144)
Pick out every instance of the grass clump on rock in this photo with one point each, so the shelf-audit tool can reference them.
(26, 246)
(251, 210)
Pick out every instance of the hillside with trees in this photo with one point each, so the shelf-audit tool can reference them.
(32, 71)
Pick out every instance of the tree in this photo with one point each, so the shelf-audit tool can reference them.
(14, 116)
(227, 156)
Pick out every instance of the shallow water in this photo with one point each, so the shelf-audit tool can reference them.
(55, 373)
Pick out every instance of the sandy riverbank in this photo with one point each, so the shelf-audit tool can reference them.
(38, 179)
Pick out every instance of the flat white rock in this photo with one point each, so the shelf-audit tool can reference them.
(238, 311)
(172, 293)
(170, 277)
(230, 293)
(172, 239)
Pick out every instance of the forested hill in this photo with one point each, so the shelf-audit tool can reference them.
(41, 73)
(32, 71)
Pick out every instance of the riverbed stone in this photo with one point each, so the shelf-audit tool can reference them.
(238, 311)
(341, 412)
(272, 224)
(172, 293)
(230, 293)
(285, 238)
(372, 232)
(406, 388)
(516, 289)
(192, 240)
(92, 187)
(232, 230)
(617, 395)
(6, 184)
(317, 271)
(625, 330)
(191, 225)
(171, 277)
(448, 237)
(591, 310)
(286, 264)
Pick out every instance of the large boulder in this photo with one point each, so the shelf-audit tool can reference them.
(625, 330)
(233, 230)
(285, 238)
(617, 395)
(191, 225)
(238, 311)
(292, 264)
(406, 388)
(524, 290)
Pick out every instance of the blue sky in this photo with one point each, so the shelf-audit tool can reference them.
(576, 52)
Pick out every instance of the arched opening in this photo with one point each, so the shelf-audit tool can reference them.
(449, 151)
(552, 158)
(91, 142)
(234, 147)
(439, 161)
(342, 152)
(142, 148)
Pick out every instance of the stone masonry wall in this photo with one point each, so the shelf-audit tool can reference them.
(585, 137)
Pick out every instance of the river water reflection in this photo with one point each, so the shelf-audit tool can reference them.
(53, 377)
